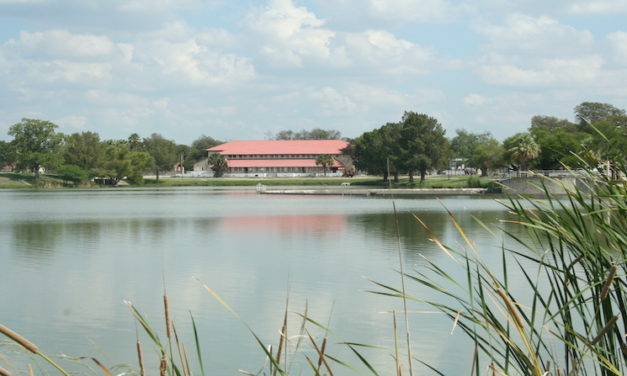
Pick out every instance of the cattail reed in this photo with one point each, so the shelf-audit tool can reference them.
(168, 323)
(163, 366)
(511, 308)
(140, 358)
(30, 370)
(605, 330)
(19, 339)
(4, 372)
(606, 287)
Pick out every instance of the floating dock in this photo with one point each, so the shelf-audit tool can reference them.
(377, 192)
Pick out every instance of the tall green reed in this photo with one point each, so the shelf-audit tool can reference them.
(575, 295)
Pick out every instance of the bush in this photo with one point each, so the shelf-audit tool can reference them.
(473, 182)
(72, 173)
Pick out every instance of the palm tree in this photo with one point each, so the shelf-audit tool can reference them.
(524, 150)
(324, 160)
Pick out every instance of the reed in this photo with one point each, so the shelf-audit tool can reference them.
(577, 248)
(4, 372)
(28, 345)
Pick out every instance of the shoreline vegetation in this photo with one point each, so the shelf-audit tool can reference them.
(25, 180)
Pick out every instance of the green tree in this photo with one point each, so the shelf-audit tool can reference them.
(6, 153)
(324, 160)
(140, 161)
(218, 164)
(609, 141)
(423, 145)
(121, 163)
(36, 144)
(84, 150)
(314, 134)
(591, 112)
(464, 143)
(134, 142)
(558, 139)
(199, 147)
(487, 155)
(377, 151)
(72, 173)
(163, 152)
(521, 148)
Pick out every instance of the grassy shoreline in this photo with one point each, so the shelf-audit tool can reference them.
(19, 180)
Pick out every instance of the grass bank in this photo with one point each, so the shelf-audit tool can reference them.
(26, 180)
(14, 180)
(370, 181)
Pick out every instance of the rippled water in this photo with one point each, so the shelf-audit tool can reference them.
(68, 260)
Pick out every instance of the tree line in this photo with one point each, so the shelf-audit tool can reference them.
(80, 156)
(417, 144)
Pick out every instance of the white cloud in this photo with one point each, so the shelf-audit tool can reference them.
(381, 49)
(72, 123)
(415, 10)
(539, 52)
(61, 44)
(548, 72)
(190, 63)
(291, 34)
(526, 34)
(599, 7)
(295, 37)
(57, 56)
(619, 43)
(332, 101)
(476, 99)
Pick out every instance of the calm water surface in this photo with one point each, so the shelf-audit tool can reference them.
(68, 260)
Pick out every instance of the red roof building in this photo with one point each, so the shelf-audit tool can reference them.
(281, 156)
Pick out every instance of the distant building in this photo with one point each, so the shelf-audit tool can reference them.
(282, 157)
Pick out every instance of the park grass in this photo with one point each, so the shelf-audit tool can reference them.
(370, 181)
(14, 180)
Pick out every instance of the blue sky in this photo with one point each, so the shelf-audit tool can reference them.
(247, 69)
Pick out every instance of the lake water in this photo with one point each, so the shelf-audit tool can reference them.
(69, 258)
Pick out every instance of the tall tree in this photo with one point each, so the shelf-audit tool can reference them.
(314, 134)
(423, 144)
(487, 155)
(218, 164)
(200, 145)
(134, 142)
(522, 148)
(324, 160)
(36, 144)
(162, 150)
(121, 162)
(377, 151)
(84, 150)
(558, 139)
(6, 153)
(464, 143)
(591, 112)
(609, 142)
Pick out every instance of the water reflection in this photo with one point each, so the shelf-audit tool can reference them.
(36, 240)
(78, 255)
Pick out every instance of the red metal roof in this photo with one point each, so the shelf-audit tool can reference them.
(281, 147)
(296, 162)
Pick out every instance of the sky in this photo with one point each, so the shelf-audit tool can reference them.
(244, 70)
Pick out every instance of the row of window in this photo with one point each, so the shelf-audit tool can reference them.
(271, 156)
(272, 169)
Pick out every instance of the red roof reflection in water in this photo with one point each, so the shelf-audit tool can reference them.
(286, 223)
